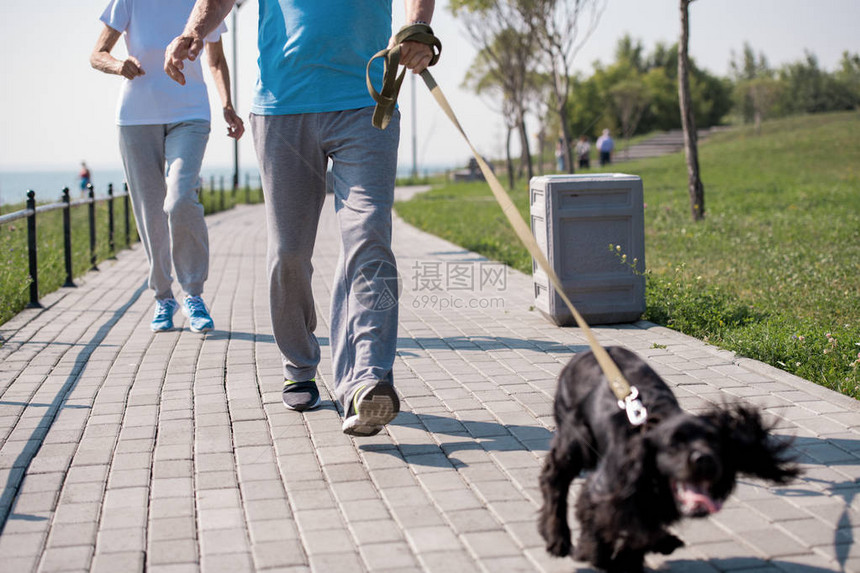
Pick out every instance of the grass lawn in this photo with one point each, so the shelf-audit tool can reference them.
(773, 273)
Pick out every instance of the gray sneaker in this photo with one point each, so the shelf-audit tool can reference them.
(301, 396)
(370, 409)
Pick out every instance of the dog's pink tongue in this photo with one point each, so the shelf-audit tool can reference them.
(694, 502)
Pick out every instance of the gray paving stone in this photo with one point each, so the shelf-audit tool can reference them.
(168, 528)
(740, 519)
(490, 544)
(430, 539)
(262, 531)
(773, 543)
(127, 540)
(392, 555)
(342, 561)
(238, 562)
(21, 545)
(517, 564)
(172, 551)
(221, 541)
(130, 562)
(221, 518)
(417, 516)
(278, 554)
(173, 438)
(124, 517)
(77, 513)
(75, 558)
(171, 507)
(332, 541)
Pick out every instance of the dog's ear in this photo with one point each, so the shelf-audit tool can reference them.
(751, 445)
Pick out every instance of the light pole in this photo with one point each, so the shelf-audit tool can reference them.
(414, 134)
(236, 91)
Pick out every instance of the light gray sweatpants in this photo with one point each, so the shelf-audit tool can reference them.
(293, 152)
(167, 211)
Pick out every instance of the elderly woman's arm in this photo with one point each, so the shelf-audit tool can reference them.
(102, 60)
(221, 75)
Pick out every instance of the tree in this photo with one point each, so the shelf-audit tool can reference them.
(561, 28)
(630, 98)
(756, 90)
(486, 80)
(848, 75)
(762, 93)
(688, 121)
(505, 61)
(594, 101)
(809, 89)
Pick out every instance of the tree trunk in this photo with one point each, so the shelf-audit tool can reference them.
(510, 161)
(560, 89)
(541, 149)
(526, 154)
(688, 121)
(565, 136)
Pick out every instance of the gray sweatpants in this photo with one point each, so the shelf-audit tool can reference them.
(293, 152)
(168, 213)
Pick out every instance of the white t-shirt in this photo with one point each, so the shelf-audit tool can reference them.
(153, 98)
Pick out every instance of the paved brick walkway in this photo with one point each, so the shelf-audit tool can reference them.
(123, 451)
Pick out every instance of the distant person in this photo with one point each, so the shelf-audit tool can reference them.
(605, 145)
(85, 177)
(163, 131)
(559, 154)
(583, 152)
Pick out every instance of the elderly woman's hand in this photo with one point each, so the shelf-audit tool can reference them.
(129, 68)
(235, 125)
(102, 60)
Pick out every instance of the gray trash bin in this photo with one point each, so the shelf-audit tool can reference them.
(574, 219)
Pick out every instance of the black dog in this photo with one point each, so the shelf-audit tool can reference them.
(645, 477)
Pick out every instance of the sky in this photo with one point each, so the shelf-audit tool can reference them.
(56, 111)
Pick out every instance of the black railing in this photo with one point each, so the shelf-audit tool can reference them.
(30, 212)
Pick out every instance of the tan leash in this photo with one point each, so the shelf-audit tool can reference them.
(627, 395)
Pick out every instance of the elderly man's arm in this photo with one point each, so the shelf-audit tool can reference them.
(204, 18)
(415, 55)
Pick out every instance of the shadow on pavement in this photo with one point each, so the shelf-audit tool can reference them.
(476, 436)
(21, 463)
(735, 564)
(483, 343)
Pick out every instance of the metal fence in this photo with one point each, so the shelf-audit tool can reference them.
(31, 211)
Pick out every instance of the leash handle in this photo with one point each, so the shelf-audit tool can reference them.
(386, 98)
(627, 396)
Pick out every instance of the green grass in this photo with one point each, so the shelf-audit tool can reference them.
(771, 272)
(14, 265)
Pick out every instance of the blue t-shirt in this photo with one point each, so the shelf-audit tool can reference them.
(313, 54)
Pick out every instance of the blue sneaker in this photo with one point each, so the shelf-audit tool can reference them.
(162, 321)
(198, 315)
